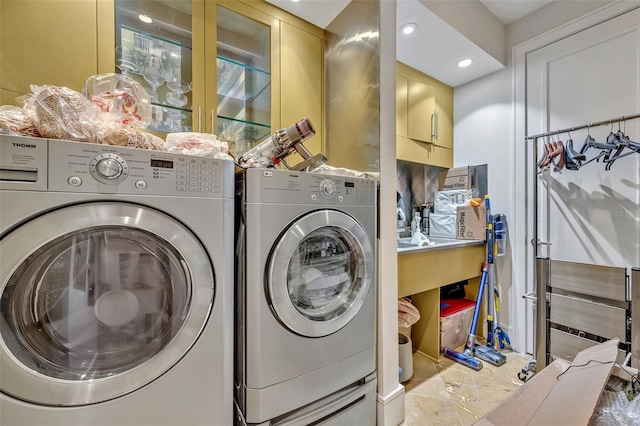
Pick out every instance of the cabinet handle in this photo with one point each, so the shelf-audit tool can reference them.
(434, 125)
(199, 120)
(213, 128)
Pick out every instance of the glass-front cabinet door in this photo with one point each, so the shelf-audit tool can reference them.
(208, 66)
(245, 57)
(154, 42)
(243, 80)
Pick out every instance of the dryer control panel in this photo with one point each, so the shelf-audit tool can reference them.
(283, 186)
(65, 166)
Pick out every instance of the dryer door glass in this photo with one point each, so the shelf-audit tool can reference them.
(96, 303)
(322, 278)
(320, 273)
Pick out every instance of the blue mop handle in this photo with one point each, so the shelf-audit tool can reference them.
(490, 230)
(476, 312)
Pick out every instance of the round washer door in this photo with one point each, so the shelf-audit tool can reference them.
(320, 273)
(98, 300)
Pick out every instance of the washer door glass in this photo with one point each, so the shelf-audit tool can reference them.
(96, 311)
(97, 302)
(320, 273)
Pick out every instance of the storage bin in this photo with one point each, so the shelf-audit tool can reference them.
(455, 320)
(405, 357)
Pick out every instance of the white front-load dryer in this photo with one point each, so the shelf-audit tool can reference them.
(306, 297)
(116, 286)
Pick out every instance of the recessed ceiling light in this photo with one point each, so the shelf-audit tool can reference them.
(409, 28)
(145, 18)
(464, 63)
(295, 1)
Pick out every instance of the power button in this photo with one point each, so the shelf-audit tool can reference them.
(74, 181)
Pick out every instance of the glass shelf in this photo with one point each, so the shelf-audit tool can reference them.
(237, 131)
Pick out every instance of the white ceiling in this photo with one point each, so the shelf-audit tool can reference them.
(508, 11)
(318, 12)
(436, 47)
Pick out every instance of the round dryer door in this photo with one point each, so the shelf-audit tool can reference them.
(98, 300)
(320, 273)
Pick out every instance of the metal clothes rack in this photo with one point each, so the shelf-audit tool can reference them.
(540, 292)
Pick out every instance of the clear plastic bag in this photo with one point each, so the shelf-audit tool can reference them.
(121, 96)
(16, 121)
(62, 113)
(199, 144)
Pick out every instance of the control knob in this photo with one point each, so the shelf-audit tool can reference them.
(109, 168)
(328, 188)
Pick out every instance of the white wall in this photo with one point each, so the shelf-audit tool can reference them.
(484, 134)
(484, 131)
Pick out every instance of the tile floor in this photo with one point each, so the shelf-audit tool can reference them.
(447, 393)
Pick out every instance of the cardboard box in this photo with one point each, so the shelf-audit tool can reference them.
(468, 177)
(456, 178)
(471, 223)
(562, 393)
(455, 322)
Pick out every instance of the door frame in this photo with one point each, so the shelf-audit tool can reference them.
(524, 263)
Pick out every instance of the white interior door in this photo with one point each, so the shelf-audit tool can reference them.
(590, 215)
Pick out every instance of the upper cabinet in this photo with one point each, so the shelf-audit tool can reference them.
(416, 116)
(402, 87)
(302, 75)
(424, 118)
(238, 68)
(48, 42)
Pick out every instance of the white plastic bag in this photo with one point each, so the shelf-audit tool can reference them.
(446, 202)
(121, 96)
(199, 144)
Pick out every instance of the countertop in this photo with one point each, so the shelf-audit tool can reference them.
(405, 246)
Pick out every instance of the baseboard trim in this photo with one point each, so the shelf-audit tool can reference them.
(390, 411)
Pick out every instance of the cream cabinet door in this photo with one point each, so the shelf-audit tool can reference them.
(46, 42)
(301, 82)
(421, 107)
(401, 105)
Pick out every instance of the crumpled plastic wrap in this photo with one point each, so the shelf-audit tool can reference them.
(121, 96)
(340, 171)
(199, 144)
(62, 113)
(408, 314)
(16, 121)
(614, 408)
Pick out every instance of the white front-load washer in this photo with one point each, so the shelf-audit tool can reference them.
(306, 298)
(116, 286)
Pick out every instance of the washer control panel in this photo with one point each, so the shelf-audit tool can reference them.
(283, 186)
(65, 166)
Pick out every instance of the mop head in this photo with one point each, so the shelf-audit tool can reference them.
(490, 355)
(465, 358)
